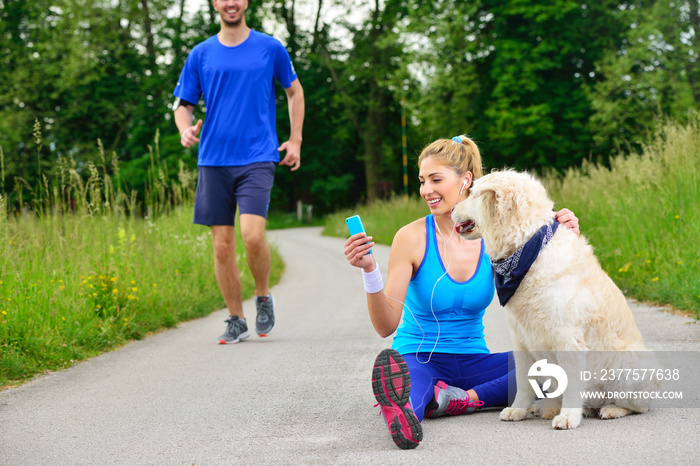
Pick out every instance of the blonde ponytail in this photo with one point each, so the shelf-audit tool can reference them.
(460, 153)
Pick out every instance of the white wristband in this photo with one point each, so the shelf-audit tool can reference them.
(373, 281)
(185, 132)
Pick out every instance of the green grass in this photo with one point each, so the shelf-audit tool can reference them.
(73, 287)
(280, 220)
(641, 214)
(381, 220)
(81, 273)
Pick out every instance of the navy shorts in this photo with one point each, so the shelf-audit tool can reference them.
(220, 189)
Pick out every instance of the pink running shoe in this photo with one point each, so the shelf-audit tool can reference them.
(451, 401)
(391, 384)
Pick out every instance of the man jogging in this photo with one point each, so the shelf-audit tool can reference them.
(235, 71)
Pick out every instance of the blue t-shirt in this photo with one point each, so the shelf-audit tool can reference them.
(238, 85)
(458, 306)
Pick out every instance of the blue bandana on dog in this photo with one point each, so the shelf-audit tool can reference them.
(510, 272)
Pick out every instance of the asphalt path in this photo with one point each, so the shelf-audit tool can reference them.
(303, 395)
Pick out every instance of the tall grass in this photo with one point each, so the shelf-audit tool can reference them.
(642, 214)
(81, 272)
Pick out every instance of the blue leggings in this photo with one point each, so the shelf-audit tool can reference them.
(491, 376)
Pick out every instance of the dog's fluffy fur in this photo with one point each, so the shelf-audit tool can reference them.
(565, 306)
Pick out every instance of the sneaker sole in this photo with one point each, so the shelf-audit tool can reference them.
(391, 384)
(264, 334)
(242, 336)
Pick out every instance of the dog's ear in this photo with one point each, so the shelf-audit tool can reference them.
(489, 201)
(510, 200)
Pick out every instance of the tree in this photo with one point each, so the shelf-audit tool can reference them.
(362, 81)
(651, 72)
(513, 74)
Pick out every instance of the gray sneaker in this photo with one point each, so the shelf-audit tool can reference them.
(450, 401)
(265, 320)
(236, 330)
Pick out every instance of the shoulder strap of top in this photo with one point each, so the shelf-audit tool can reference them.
(429, 231)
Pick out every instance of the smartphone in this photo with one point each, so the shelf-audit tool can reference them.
(355, 226)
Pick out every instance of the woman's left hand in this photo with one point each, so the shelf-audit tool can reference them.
(568, 219)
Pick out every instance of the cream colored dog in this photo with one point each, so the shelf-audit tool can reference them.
(564, 308)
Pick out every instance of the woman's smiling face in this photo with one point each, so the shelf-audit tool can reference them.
(439, 185)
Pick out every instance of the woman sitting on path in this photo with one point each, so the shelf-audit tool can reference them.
(441, 284)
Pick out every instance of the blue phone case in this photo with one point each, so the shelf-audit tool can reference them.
(355, 226)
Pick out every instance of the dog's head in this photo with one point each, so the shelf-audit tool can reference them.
(505, 208)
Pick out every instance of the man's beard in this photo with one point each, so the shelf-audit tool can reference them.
(233, 24)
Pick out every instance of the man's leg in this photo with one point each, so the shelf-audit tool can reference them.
(257, 251)
(253, 194)
(259, 262)
(226, 269)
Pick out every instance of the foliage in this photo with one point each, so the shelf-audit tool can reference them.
(642, 214)
(74, 286)
(652, 72)
(108, 282)
(512, 74)
(81, 273)
(537, 84)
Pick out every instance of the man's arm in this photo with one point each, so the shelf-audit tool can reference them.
(295, 99)
(183, 120)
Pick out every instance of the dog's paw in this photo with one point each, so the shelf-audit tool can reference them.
(613, 412)
(513, 414)
(567, 420)
(546, 409)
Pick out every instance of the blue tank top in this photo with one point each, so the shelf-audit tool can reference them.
(458, 306)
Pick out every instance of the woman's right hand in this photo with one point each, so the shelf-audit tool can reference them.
(356, 249)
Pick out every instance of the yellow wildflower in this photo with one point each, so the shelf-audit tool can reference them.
(655, 279)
